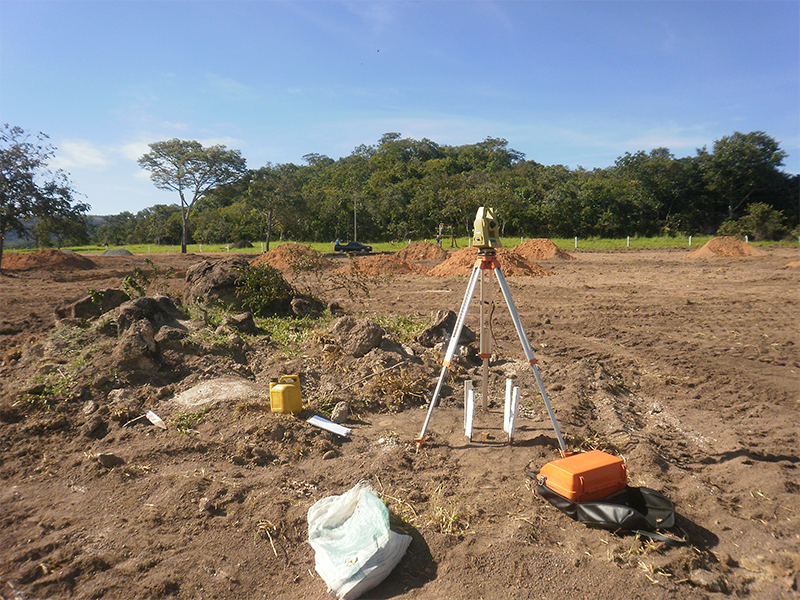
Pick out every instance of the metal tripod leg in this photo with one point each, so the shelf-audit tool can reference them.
(512, 308)
(451, 348)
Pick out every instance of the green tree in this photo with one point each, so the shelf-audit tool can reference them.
(30, 191)
(188, 168)
(743, 168)
(272, 188)
(760, 222)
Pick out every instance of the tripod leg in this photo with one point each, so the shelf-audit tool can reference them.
(512, 308)
(451, 349)
(485, 352)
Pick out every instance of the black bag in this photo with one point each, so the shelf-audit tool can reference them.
(633, 509)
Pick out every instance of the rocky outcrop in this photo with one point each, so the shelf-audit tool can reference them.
(356, 337)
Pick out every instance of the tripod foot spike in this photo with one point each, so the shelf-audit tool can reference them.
(419, 441)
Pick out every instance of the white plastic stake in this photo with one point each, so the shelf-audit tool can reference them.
(467, 390)
(576, 241)
(746, 239)
(507, 406)
(629, 241)
(512, 423)
(469, 414)
(690, 240)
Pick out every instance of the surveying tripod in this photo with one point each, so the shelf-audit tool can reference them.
(487, 260)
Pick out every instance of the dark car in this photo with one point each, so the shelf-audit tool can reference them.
(352, 247)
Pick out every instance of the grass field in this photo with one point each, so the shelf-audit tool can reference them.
(568, 244)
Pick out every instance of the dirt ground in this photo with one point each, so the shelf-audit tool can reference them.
(687, 367)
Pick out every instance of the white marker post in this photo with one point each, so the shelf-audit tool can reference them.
(467, 390)
(469, 413)
(507, 405)
(512, 421)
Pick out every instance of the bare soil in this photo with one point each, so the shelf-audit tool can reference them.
(687, 367)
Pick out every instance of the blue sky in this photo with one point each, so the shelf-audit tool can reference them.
(572, 83)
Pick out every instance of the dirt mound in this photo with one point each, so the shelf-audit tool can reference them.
(724, 246)
(286, 256)
(116, 252)
(422, 251)
(46, 258)
(383, 264)
(541, 249)
(513, 264)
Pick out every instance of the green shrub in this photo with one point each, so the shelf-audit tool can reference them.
(263, 290)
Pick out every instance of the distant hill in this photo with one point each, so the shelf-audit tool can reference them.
(15, 241)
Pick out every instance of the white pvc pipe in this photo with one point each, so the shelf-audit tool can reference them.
(529, 354)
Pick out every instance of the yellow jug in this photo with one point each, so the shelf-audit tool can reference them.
(284, 395)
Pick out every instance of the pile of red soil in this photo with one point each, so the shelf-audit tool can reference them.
(541, 249)
(383, 264)
(724, 246)
(422, 251)
(513, 264)
(286, 256)
(46, 258)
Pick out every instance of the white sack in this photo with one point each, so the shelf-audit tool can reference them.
(354, 548)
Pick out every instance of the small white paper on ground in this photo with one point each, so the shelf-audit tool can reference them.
(155, 419)
(329, 426)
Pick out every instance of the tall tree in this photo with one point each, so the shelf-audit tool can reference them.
(271, 189)
(186, 167)
(744, 167)
(29, 189)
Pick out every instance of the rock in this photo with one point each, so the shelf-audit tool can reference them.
(706, 580)
(356, 337)
(444, 322)
(211, 282)
(168, 335)
(137, 347)
(224, 390)
(329, 455)
(90, 407)
(121, 395)
(243, 323)
(159, 310)
(93, 428)
(205, 505)
(341, 412)
(110, 460)
(92, 305)
(307, 307)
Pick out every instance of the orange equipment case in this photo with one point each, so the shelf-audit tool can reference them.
(585, 477)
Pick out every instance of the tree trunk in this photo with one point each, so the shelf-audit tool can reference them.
(184, 234)
(269, 227)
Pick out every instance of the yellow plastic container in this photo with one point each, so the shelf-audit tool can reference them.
(284, 395)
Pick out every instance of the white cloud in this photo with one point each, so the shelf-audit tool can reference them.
(227, 85)
(133, 150)
(80, 154)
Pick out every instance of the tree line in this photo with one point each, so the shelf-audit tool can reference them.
(402, 188)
